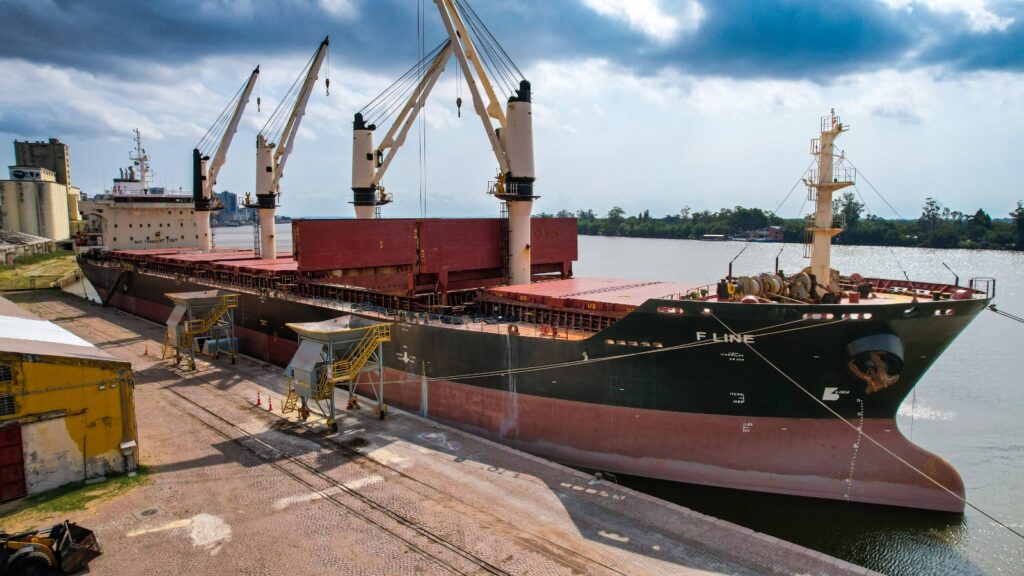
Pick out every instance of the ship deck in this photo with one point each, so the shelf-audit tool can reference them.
(567, 309)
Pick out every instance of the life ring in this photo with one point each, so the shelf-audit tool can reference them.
(545, 329)
(730, 288)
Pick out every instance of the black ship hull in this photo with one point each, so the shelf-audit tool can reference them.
(723, 394)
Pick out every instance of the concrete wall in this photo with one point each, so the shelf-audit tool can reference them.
(8, 252)
(75, 413)
(35, 207)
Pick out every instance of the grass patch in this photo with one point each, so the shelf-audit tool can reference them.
(41, 510)
(37, 271)
(37, 258)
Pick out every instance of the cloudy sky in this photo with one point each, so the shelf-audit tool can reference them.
(646, 104)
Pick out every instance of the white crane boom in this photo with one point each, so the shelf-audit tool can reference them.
(408, 114)
(220, 156)
(369, 164)
(271, 157)
(205, 169)
(465, 52)
(512, 141)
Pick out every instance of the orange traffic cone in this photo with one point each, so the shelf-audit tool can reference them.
(146, 351)
(259, 402)
(270, 403)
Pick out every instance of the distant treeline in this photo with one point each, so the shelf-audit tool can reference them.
(937, 226)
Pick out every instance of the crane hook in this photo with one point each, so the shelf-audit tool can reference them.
(458, 106)
(328, 84)
(258, 104)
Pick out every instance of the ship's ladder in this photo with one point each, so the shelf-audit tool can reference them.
(348, 368)
(292, 400)
(204, 323)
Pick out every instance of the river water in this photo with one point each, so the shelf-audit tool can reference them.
(968, 408)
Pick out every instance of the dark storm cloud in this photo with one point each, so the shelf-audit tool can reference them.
(962, 49)
(737, 38)
(789, 39)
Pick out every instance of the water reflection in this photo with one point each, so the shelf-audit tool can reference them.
(889, 540)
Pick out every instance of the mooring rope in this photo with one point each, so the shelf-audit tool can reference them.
(871, 439)
(993, 308)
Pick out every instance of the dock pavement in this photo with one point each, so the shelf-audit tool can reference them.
(239, 489)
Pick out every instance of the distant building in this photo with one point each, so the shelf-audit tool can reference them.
(229, 200)
(233, 213)
(38, 198)
(769, 234)
(52, 155)
(14, 244)
(33, 202)
(67, 410)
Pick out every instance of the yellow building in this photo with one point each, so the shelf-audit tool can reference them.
(67, 411)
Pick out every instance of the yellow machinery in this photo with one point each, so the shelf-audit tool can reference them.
(332, 354)
(201, 322)
(66, 547)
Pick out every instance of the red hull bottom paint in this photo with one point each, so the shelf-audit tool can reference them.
(819, 458)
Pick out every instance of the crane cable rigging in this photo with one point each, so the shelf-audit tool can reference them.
(421, 120)
(275, 125)
(493, 56)
(379, 110)
(209, 141)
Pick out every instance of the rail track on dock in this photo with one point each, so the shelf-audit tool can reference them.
(420, 539)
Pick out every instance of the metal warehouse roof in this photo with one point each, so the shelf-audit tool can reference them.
(25, 333)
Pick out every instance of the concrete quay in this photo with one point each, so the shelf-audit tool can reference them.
(237, 489)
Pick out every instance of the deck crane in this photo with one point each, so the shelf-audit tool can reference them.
(369, 164)
(274, 144)
(205, 168)
(511, 139)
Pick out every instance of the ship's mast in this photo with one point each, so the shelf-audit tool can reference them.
(821, 185)
(141, 159)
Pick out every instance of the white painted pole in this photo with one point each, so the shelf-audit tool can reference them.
(519, 241)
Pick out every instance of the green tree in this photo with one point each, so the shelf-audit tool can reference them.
(930, 214)
(978, 225)
(1018, 220)
(849, 208)
(614, 223)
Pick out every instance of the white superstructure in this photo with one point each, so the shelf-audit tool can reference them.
(133, 215)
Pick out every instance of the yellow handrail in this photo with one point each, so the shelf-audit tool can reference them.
(204, 323)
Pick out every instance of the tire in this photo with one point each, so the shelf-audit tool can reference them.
(31, 564)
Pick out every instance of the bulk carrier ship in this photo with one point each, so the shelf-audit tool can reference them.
(777, 383)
